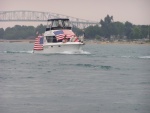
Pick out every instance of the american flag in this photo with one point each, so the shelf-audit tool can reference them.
(60, 34)
(38, 45)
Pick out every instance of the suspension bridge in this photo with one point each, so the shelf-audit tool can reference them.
(36, 16)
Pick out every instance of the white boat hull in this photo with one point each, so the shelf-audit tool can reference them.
(61, 47)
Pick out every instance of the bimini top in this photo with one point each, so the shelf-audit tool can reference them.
(58, 23)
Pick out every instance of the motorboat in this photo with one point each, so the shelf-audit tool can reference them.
(58, 38)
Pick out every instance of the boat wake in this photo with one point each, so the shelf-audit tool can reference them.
(75, 52)
(65, 52)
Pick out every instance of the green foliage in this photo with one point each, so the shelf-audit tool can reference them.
(136, 33)
(1, 33)
(118, 28)
(19, 32)
(97, 37)
(107, 26)
(40, 29)
(145, 30)
(128, 29)
(92, 31)
(77, 31)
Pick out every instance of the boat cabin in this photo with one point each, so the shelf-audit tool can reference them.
(60, 31)
(58, 23)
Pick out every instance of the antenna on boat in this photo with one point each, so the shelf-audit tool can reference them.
(81, 38)
(37, 33)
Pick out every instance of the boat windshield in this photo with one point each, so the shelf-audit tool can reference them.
(66, 23)
(59, 24)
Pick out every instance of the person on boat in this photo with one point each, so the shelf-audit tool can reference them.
(73, 38)
(60, 23)
(65, 39)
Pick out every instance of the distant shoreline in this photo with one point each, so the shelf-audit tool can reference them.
(86, 42)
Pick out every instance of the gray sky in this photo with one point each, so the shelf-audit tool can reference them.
(134, 11)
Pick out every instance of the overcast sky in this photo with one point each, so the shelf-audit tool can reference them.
(134, 11)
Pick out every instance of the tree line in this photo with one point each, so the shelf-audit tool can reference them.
(106, 29)
(21, 32)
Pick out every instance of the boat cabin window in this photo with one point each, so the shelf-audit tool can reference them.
(51, 39)
(58, 24)
(49, 25)
(55, 23)
(66, 23)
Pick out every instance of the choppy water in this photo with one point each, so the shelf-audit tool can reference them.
(100, 79)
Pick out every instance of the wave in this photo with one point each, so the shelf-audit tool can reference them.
(16, 51)
(140, 57)
(126, 56)
(145, 57)
(104, 67)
